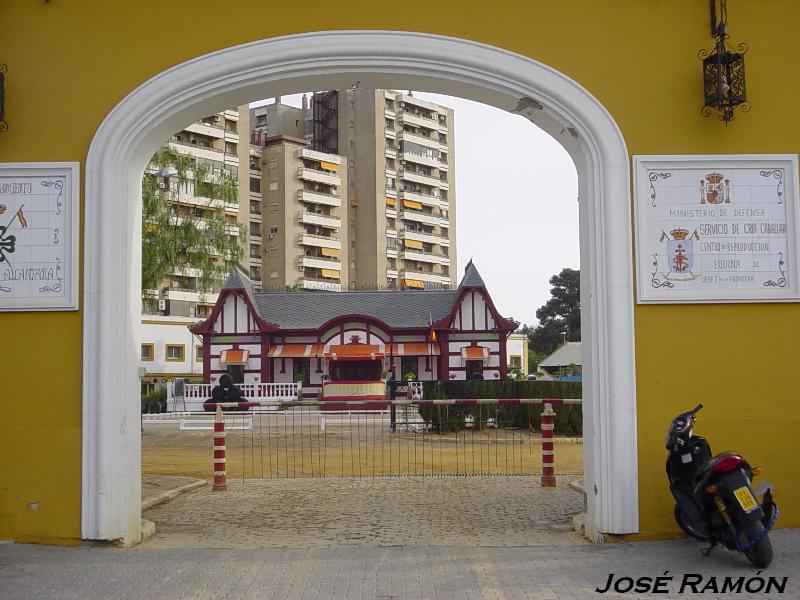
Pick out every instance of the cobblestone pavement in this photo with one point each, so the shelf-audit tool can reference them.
(155, 485)
(380, 511)
(429, 573)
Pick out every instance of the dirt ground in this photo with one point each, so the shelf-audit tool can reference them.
(335, 446)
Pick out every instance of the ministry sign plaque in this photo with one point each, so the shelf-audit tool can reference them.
(38, 236)
(716, 228)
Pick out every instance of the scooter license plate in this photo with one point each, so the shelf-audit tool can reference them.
(746, 499)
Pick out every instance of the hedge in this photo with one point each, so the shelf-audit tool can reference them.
(443, 418)
(155, 401)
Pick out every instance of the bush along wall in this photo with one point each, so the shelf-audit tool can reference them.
(444, 418)
(155, 401)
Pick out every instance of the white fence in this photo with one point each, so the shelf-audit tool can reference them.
(195, 394)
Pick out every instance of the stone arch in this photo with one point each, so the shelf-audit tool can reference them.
(326, 60)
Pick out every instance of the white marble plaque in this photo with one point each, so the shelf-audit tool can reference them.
(38, 236)
(716, 228)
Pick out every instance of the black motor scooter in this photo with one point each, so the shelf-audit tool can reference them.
(714, 498)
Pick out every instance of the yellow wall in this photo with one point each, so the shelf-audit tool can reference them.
(69, 63)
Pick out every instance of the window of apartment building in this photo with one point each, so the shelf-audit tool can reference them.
(442, 138)
(516, 360)
(147, 352)
(391, 242)
(255, 251)
(389, 103)
(198, 353)
(273, 186)
(390, 183)
(273, 231)
(273, 207)
(390, 164)
(273, 274)
(255, 208)
(230, 147)
(255, 229)
(175, 352)
(389, 124)
(255, 165)
(255, 273)
(255, 184)
(230, 125)
(391, 223)
(272, 251)
(272, 163)
(203, 310)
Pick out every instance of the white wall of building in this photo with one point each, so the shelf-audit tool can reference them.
(160, 332)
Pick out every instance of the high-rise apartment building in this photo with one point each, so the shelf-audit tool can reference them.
(213, 141)
(303, 208)
(402, 184)
(392, 155)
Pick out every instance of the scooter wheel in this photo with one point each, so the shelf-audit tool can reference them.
(688, 527)
(761, 553)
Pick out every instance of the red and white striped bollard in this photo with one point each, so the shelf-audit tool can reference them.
(220, 479)
(548, 459)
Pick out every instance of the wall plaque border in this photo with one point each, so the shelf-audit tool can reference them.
(716, 228)
(39, 236)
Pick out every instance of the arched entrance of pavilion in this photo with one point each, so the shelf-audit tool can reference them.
(139, 123)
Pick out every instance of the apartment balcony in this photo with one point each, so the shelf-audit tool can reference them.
(391, 212)
(233, 115)
(391, 173)
(310, 283)
(254, 239)
(444, 241)
(200, 152)
(430, 180)
(207, 129)
(319, 262)
(202, 224)
(421, 217)
(319, 241)
(422, 159)
(391, 252)
(255, 261)
(445, 262)
(189, 295)
(391, 192)
(418, 236)
(391, 233)
(318, 198)
(255, 217)
(388, 113)
(185, 197)
(312, 218)
(391, 153)
(318, 156)
(391, 273)
(318, 176)
(412, 273)
(425, 199)
(421, 256)
(390, 134)
(421, 140)
(418, 120)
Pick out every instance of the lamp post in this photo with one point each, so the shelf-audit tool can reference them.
(564, 334)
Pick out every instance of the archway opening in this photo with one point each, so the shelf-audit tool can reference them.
(127, 138)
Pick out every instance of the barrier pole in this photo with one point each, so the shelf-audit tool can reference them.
(220, 479)
(548, 459)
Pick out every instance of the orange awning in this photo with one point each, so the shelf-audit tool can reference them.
(390, 201)
(417, 245)
(475, 353)
(412, 204)
(331, 252)
(354, 352)
(414, 283)
(413, 349)
(233, 357)
(330, 273)
(329, 166)
(295, 350)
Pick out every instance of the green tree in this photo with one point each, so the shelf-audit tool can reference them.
(561, 313)
(178, 236)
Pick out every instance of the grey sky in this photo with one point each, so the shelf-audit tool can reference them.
(517, 209)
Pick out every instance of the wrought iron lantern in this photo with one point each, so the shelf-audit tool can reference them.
(723, 70)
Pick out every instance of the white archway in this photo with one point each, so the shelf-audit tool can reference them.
(381, 59)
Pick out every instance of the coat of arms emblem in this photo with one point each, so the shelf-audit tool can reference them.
(680, 254)
(715, 189)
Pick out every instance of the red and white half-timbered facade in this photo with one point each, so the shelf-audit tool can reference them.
(333, 339)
